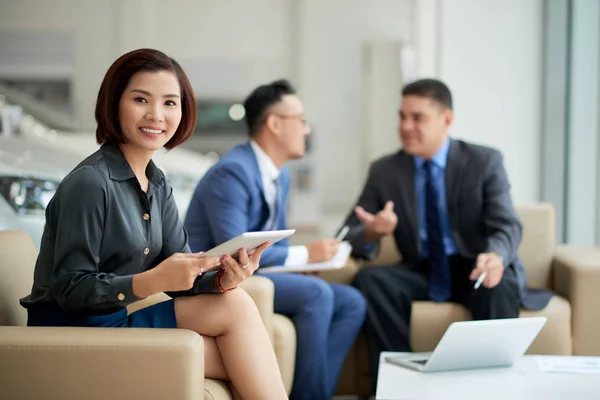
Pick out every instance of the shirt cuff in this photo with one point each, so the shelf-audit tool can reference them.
(122, 287)
(297, 255)
(206, 283)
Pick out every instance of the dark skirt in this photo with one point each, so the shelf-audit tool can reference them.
(161, 315)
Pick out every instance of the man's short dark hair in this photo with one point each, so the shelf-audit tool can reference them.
(261, 99)
(430, 88)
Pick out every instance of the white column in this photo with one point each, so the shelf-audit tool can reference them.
(582, 171)
(427, 37)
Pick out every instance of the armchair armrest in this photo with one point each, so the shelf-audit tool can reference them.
(262, 291)
(100, 363)
(577, 278)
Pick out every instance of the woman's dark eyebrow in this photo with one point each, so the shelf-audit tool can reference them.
(148, 93)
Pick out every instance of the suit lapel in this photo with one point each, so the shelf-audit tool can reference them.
(407, 193)
(455, 168)
(257, 177)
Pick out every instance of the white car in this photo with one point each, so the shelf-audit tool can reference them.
(31, 167)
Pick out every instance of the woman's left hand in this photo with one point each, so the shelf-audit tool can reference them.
(234, 272)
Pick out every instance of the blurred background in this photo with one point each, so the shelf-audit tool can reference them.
(525, 76)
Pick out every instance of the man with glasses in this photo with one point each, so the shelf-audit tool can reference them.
(246, 191)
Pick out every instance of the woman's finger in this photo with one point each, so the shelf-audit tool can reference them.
(229, 263)
(207, 262)
(246, 265)
(243, 258)
(255, 257)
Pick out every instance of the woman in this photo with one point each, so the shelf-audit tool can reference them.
(113, 235)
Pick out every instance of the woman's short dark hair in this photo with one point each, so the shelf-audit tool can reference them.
(115, 81)
(431, 88)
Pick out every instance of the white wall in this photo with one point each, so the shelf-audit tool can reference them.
(331, 36)
(92, 24)
(491, 57)
(489, 52)
(225, 46)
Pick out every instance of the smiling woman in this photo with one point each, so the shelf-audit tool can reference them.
(113, 236)
(155, 87)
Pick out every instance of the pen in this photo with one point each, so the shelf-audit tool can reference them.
(480, 280)
(343, 233)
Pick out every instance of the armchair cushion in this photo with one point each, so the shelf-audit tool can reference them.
(430, 320)
(577, 277)
(100, 363)
(284, 342)
(216, 390)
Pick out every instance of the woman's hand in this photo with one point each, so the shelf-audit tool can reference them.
(176, 273)
(179, 271)
(234, 272)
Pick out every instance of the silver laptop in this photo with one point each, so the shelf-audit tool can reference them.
(476, 344)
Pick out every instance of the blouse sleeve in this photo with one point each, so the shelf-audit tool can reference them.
(78, 211)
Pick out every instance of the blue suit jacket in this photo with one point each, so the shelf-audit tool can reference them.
(229, 200)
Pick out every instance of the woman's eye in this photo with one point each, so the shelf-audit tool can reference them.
(140, 100)
(170, 103)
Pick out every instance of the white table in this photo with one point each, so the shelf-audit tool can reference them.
(523, 381)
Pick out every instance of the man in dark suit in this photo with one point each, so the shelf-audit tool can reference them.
(448, 205)
(247, 191)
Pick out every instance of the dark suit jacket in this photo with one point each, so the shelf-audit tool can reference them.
(479, 207)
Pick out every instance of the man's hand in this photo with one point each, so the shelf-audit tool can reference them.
(322, 250)
(493, 266)
(380, 224)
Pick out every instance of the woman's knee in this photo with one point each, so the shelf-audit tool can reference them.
(238, 302)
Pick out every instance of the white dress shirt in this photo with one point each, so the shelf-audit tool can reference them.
(297, 255)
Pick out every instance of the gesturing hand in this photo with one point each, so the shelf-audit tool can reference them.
(234, 272)
(380, 224)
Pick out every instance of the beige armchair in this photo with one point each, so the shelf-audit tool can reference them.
(572, 272)
(101, 363)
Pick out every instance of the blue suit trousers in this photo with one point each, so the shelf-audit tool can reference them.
(327, 318)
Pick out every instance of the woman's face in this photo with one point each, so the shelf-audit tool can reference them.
(150, 109)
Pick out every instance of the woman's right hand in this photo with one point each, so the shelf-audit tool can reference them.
(179, 272)
(174, 274)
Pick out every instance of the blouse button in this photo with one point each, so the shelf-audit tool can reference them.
(146, 217)
(121, 296)
(146, 251)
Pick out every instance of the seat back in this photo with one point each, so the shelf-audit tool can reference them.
(17, 260)
(536, 249)
(538, 242)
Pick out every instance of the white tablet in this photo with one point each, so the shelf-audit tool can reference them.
(249, 241)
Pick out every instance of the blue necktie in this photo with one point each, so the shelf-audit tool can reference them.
(276, 205)
(440, 286)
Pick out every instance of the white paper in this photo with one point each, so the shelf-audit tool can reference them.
(569, 364)
(339, 260)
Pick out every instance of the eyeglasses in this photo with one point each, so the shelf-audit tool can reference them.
(299, 117)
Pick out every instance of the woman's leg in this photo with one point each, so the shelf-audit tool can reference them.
(246, 352)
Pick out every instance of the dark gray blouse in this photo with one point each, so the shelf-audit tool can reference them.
(102, 229)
